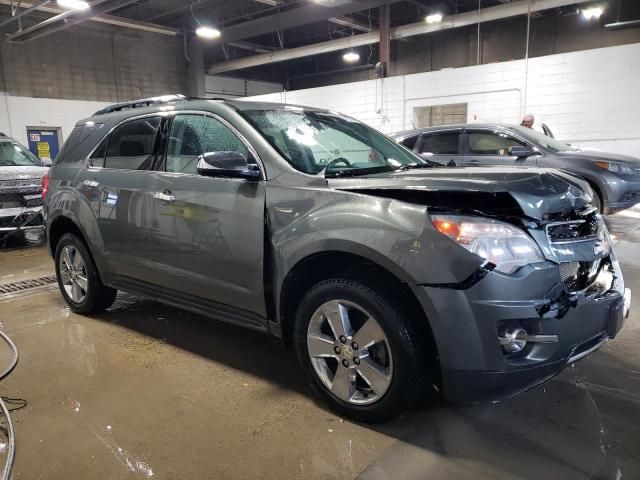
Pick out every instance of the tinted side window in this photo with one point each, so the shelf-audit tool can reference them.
(491, 143)
(131, 144)
(192, 135)
(440, 144)
(78, 135)
(410, 142)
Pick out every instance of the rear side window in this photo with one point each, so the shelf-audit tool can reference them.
(410, 142)
(194, 134)
(131, 145)
(485, 143)
(440, 144)
(78, 135)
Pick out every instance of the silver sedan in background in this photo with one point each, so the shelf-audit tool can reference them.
(614, 178)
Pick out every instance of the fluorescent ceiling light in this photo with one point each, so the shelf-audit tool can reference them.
(351, 56)
(434, 18)
(209, 33)
(593, 12)
(74, 4)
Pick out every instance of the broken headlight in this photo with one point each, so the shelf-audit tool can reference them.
(502, 244)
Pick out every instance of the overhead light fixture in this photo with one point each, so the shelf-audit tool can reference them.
(434, 18)
(209, 33)
(351, 56)
(74, 4)
(593, 12)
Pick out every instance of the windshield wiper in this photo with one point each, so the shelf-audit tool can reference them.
(355, 172)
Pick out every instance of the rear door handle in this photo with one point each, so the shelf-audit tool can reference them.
(165, 196)
(473, 162)
(91, 183)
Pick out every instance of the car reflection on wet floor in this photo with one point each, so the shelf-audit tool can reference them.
(145, 391)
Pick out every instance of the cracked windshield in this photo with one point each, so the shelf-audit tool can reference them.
(315, 142)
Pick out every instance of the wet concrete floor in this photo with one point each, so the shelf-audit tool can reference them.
(145, 391)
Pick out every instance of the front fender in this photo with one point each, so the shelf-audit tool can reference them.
(394, 234)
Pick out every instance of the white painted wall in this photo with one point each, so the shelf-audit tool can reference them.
(589, 98)
(18, 113)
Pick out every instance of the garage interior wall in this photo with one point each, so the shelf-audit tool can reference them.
(88, 67)
(588, 98)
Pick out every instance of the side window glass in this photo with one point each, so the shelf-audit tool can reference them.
(440, 144)
(491, 143)
(131, 145)
(410, 142)
(192, 135)
(97, 157)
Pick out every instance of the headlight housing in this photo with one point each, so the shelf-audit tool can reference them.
(617, 167)
(502, 244)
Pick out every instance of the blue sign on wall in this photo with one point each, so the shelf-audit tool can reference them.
(43, 143)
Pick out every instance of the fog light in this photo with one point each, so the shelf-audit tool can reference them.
(514, 340)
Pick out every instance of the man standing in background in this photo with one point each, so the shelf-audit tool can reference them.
(528, 120)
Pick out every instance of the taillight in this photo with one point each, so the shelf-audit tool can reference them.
(45, 185)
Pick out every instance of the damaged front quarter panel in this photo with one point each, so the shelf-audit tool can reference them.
(395, 234)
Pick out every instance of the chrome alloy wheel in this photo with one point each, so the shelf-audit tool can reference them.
(349, 352)
(73, 274)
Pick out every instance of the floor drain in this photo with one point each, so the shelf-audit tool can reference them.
(23, 285)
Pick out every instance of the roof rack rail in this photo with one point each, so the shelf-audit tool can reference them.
(143, 102)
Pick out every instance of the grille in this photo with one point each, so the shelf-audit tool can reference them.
(14, 222)
(579, 275)
(17, 200)
(17, 287)
(569, 270)
(585, 227)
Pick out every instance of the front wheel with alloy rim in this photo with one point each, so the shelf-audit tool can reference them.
(78, 278)
(360, 350)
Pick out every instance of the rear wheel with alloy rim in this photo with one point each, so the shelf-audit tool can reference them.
(78, 277)
(360, 350)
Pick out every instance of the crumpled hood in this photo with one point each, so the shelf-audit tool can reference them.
(537, 191)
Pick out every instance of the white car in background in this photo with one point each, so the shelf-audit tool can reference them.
(21, 175)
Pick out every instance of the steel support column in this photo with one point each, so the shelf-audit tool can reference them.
(385, 41)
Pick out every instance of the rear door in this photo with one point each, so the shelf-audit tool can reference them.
(207, 233)
(485, 147)
(442, 146)
(118, 184)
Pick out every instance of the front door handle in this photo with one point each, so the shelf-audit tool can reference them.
(165, 196)
(91, 183)
(473, 162)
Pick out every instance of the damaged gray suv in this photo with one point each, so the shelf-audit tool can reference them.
(391, 278)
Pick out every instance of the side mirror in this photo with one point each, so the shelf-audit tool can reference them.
(520, 152)
(226, 164)
(46, 162)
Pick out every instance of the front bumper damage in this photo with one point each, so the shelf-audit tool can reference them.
(564, 319)
(13, 219)
(20, 206)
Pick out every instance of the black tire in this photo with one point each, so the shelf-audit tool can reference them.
(98, 297)
(408, 381)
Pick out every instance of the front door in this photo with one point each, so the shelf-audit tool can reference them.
(490, 148)
(207, 233)
(44, 143)
(442, 147)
